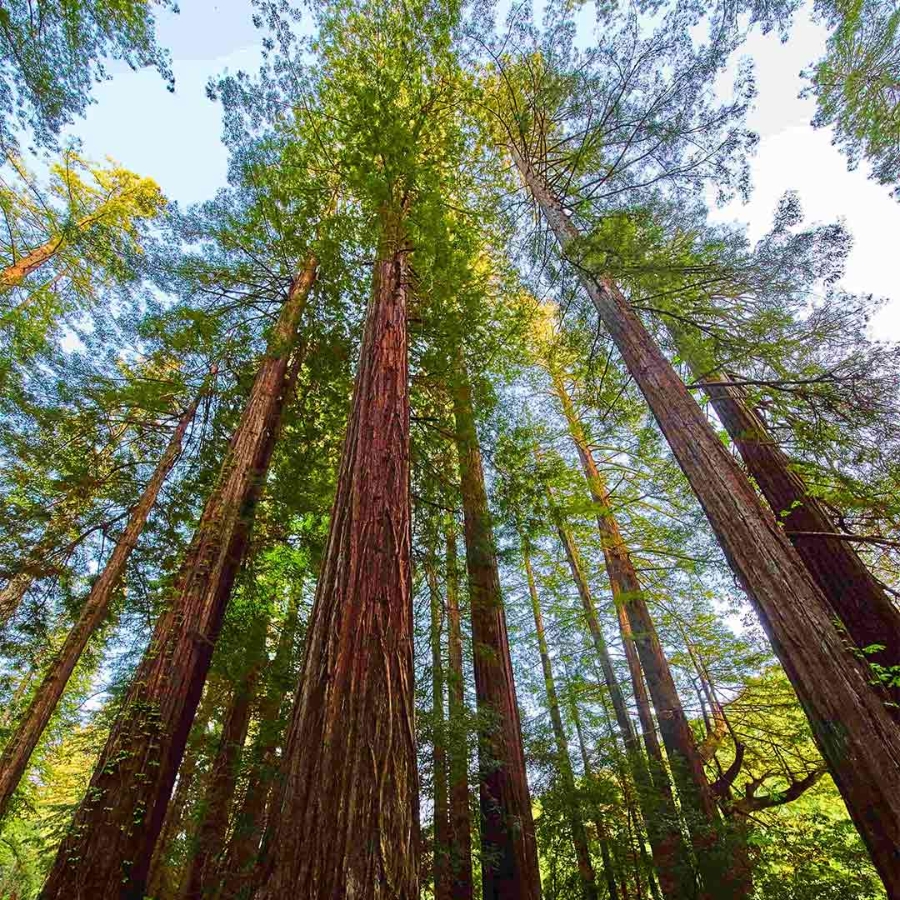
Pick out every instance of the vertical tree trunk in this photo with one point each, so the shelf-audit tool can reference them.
(859, 601)
(21, 744)
(458, 745)
(202, 874)
(698, 802)
(346, 824)
(236, 870)
(162, 882)
(639, 689)
(564, 764)
(609, 872)
(439, 742)
(855, 733)
(108, 849)
(657, 803)
(509, 852)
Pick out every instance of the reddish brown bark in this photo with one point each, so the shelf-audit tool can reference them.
(854, 731)
(202, 874)
(346, 824)
(859, 601)
(18, 271)
(164, 879)
(564, 763)
(24, 739)
(670, 857)
(439, 742)
(108, 849)
(698, 801)
(458, 745)
(509, 852)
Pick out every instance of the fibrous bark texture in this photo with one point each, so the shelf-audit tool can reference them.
(509, 853)
(346, 824)
(855, 733)
(21, 744)
(108, 849)
(859, 601)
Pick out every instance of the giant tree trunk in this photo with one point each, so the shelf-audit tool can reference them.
(21, 744)
(439, 742)
(108, 849)
(202, 873)
(236, 871)
(509, 852)
(346, 824)
(661, 818)
(861, 603)
(458, 745)
(855, 733)
(564, 763)
(698, 802)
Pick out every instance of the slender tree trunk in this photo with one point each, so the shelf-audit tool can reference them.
(859, 601)
(657, 803)
(28, 732)
(17, 272)
(855, 733)
(235, 873)
(609, 872)
(639, 689)
(107, 851)
(564, 764)
(346, 824)
(439, 742)
(461, 886)
(202, 875)
(698, 802)
(509, 852)
(163, 881)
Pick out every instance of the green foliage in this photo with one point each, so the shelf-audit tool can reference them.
(857, 85)
(51, 53)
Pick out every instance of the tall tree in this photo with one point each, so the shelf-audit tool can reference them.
(579, 833)
(458, 746)
(21, 745)
(359, 651)
(832, 687)
(509, 854)
(112, 839)
(439, 739)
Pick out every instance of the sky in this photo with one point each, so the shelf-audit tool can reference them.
(175, 138)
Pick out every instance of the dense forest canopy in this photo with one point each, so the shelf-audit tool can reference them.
(452, 506)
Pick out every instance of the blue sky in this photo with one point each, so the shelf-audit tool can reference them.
(175, 138)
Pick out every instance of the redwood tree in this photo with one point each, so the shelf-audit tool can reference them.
(21, 744)
(109, 846)
(509, 853)
(346, 823)
(855, 733)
